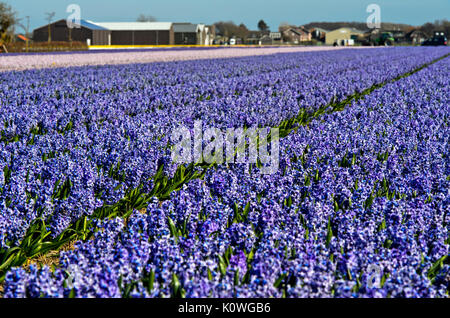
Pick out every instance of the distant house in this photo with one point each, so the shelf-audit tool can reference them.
(253, 37)
(206, 34)
(416, 36)
(265, 40)
(296, 35)
(185, 33)
(343, 36)
(276, 36)
(318, 33)
(193, 34)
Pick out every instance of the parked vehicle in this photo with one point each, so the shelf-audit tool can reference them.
(385, 38)
(436, 41)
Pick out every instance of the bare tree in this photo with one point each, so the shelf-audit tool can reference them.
(443, 25)
(146, 18)
(7, 21)
(283, 26)
(25, 28)
(49, 19)
(224, 28)
(428, 28)
(242, 31)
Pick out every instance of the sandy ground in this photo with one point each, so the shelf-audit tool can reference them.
(36, 61)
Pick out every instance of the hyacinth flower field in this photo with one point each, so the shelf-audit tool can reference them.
(92, 204)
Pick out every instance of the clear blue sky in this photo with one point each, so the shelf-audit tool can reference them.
(415, 12)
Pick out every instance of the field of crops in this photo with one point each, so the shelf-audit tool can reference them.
(359, 207)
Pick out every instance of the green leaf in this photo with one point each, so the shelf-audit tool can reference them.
(236, 277)
(246, 210)
(436, 267)
(210, 277)
(172, 228)
(329, 232)
(279, 280)
(177, 290)
(222, 266)
(72, 293)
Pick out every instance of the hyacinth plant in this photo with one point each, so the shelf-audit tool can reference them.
(336, 206)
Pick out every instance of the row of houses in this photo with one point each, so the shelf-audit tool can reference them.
(350, 36)
(172, 33)
(127, 33)
(341, 36)
(286, 35)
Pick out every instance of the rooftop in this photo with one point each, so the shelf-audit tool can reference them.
(185, 27)
(132, 26)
